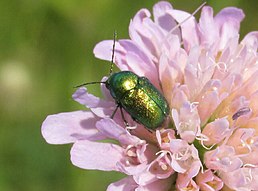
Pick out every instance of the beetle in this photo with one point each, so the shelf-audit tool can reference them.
(137, 96)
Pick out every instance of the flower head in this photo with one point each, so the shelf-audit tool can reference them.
(209, 79)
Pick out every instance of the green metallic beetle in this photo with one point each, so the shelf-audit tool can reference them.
(136, 95)
(139, 98)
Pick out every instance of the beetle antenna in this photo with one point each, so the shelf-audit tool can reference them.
(113, 53)
(89, 83)
(187, 18)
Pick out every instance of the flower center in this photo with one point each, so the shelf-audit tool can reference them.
(131, 155)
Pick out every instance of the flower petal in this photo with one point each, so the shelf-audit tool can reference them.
(230, 15)
(228, 20)
(125, 184)
(139, 62)
(251, 40)
(189, 28)
(104, 50)
(100, 107)
(159, 185)
(209, 32)
(160, 8)
(69, 127)
(163, 18)
(141, 35)
(114, 131)
(96, 155)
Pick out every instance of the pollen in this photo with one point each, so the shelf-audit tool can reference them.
(130, 153)
(164, 167)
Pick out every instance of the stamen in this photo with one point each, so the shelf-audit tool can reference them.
(162, 153)
(204, 138)
(130, 153)
(249, 177)
(250, 165)
(245, 144)
(222, 66)
(128, 128)
(193, 106)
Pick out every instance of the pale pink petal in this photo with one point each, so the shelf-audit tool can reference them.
(146, 34)
(100, 107)
(113, 131)
(131, 169)
(205, 110)
(223, 158)
(245, 179)
(184, 183)
(167, 74)
(125, 184)
(249, 87)
(96, 155)
(208, 31)
(191, 72)
(170, 72)
(179, 96)
(69, 127)
(230, 15)
(157, 36)
(105, 91)
(159, 185)
(163, 18)
(159, 168)
(139, 62)
(141, 35)
(251, 40)
(189, 28)
(187, 121)
(216, 131)
(208, 181)
(185, 158)
(159, 9)
(136, 158)
(228, 20)
(246, 144)
(104, 50)
(145, 178)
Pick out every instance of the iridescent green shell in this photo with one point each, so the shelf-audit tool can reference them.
(139, 98)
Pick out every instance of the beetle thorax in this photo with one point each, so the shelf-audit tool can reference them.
(120, 83)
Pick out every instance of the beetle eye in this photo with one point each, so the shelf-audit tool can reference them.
(107, 85)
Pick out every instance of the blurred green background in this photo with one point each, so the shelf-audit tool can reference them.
(46, 49)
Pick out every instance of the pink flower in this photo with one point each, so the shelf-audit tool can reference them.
(184, 183)
(185, 158)
(216, 131)
(187, 121)
(209, 79)
(208, 181)
(223, 158)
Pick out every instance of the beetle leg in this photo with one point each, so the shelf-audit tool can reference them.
(123, 117)
(114, 112)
